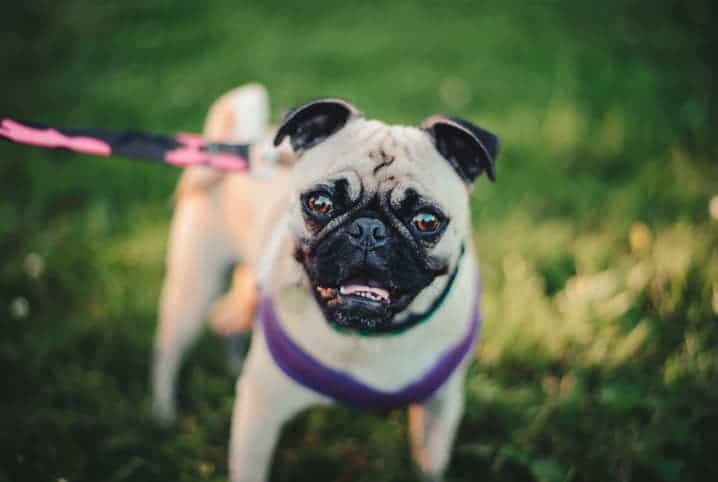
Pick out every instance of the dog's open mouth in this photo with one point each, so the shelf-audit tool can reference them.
(362, 300)
(358, 302)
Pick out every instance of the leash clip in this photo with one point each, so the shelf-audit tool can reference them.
(269, 157)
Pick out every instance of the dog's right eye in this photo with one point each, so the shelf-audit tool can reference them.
(426, 222)
(319, 203)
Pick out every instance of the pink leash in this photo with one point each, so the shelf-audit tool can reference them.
(181, 150)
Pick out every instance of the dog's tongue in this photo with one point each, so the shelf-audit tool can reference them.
(352, 289)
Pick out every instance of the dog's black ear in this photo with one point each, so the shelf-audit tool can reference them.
(470, 149)
(311, 123)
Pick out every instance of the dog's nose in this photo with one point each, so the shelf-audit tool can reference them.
(367, 233)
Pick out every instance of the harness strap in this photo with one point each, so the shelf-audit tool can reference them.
(343, 387)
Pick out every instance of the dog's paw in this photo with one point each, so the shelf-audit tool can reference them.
(164, 412)
(237, 345)
(234, 312)
(425, 477)
(230, 316)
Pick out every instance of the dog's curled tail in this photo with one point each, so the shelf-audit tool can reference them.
(240, 116)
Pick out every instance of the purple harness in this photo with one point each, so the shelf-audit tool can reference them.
(342, 387)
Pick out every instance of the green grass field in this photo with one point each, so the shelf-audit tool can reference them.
(599, 357)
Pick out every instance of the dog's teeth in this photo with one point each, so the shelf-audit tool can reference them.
(363, 294)
(374, 294)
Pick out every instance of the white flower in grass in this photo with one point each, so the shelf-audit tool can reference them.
(34, 265)
(19, 308)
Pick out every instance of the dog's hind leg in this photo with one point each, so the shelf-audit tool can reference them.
(200, 253)
(432, 427)
(201, 247)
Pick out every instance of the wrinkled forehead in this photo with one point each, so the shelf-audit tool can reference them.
(375, 157)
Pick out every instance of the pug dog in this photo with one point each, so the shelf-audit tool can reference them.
(353, 260)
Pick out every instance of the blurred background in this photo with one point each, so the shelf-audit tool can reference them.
(598, 243)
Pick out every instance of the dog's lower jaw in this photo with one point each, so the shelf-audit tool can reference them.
(345, 305)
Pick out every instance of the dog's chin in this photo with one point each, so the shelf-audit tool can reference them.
(364, 307)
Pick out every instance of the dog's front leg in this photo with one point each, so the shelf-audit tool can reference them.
(265, 399)
(432, 427)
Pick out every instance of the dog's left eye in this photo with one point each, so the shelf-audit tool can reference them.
(319, 203)
(426, 222)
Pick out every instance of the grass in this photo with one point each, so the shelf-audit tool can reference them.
(599, 354)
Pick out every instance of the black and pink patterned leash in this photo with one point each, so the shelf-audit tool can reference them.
(182, 150)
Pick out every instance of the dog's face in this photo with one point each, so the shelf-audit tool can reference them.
(380, 213)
